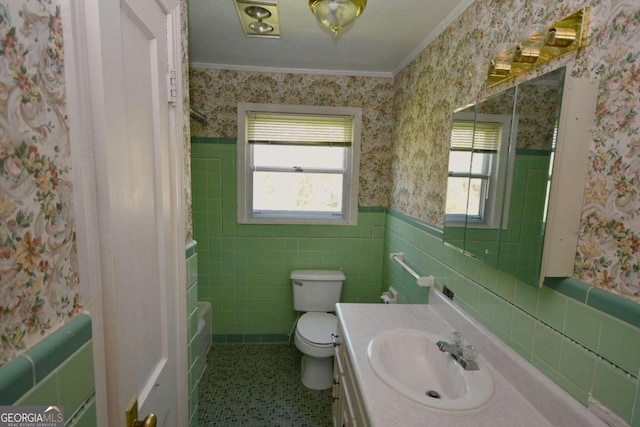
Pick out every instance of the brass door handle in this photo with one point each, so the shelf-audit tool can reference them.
(132, 416)
(150, 421)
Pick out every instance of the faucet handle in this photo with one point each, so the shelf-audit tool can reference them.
(456, 338)
(469, 353)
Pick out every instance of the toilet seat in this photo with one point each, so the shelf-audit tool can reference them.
(316, 328)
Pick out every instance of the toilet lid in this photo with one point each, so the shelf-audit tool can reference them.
(317, 327)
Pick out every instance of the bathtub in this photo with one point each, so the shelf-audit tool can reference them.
(203, 335)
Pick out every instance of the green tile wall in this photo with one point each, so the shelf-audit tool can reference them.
(192, 329)
(521, 243)
(56, 371)
(575, 343)
(516, 248)
(243, 270)
(576, 335)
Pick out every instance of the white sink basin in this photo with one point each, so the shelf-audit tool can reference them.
(409, 362)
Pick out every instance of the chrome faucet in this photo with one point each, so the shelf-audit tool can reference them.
(465, 355)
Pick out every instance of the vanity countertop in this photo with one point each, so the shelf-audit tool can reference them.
(508, 406)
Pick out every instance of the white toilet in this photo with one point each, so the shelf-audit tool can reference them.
(316, 292)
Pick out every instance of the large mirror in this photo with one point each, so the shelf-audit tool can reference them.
(500, 170)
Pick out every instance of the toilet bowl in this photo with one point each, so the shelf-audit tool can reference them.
(316, 292)
(313, 339)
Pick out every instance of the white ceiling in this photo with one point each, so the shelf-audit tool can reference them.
(385, 38)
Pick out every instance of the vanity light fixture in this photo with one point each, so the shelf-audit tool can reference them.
(538, 45)
(336, 16)
(259, 18)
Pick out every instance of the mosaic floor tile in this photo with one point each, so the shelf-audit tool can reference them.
(259, 386)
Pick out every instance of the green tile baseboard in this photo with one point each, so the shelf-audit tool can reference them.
(250, 338)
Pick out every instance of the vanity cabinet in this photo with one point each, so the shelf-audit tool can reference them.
(347, 408)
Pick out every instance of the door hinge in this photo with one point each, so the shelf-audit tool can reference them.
(172, 87)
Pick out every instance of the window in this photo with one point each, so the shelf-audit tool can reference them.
(478, 161)
(298, 164)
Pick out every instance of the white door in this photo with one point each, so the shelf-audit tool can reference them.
(138, 241)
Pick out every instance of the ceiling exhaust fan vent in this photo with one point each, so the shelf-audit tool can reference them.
(259, 18)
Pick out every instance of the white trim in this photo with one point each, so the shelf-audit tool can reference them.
(569, 174)
(86, 110)
(79, 111)
(433, 35)
(204, 65)
(168, 6)
(176, 158)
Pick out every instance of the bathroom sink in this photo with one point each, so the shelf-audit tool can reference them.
(409, 362)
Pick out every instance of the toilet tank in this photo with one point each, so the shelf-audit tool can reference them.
(316, 290)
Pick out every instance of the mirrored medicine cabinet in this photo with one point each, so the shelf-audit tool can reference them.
(517, 171)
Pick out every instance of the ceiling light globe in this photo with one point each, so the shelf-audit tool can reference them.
(335, 15)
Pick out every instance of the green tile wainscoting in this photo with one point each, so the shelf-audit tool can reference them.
(58, 371)
(192, 329)
(584, 339)
(243, 270)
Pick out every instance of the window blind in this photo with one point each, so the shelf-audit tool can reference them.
(478, 137)
(299, 129)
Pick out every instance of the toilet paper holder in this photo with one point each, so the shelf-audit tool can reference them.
(390, 296)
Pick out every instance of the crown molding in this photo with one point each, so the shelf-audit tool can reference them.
(204, 65)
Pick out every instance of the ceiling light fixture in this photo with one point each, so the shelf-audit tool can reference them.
(337, 15)
(537, 46)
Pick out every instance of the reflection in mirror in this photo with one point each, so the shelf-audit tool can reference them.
(522, 238)
(503, 162)
(493, 136)
(459, 176)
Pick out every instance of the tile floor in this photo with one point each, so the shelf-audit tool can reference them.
(259, 386)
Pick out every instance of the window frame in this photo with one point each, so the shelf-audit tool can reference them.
(245, 214)
(497, 199)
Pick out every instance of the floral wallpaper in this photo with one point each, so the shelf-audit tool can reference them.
(186, 125)
(536, 109)
(38, 262)
(215, 93)
(444, 77)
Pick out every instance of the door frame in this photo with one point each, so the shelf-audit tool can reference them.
(85, 110)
